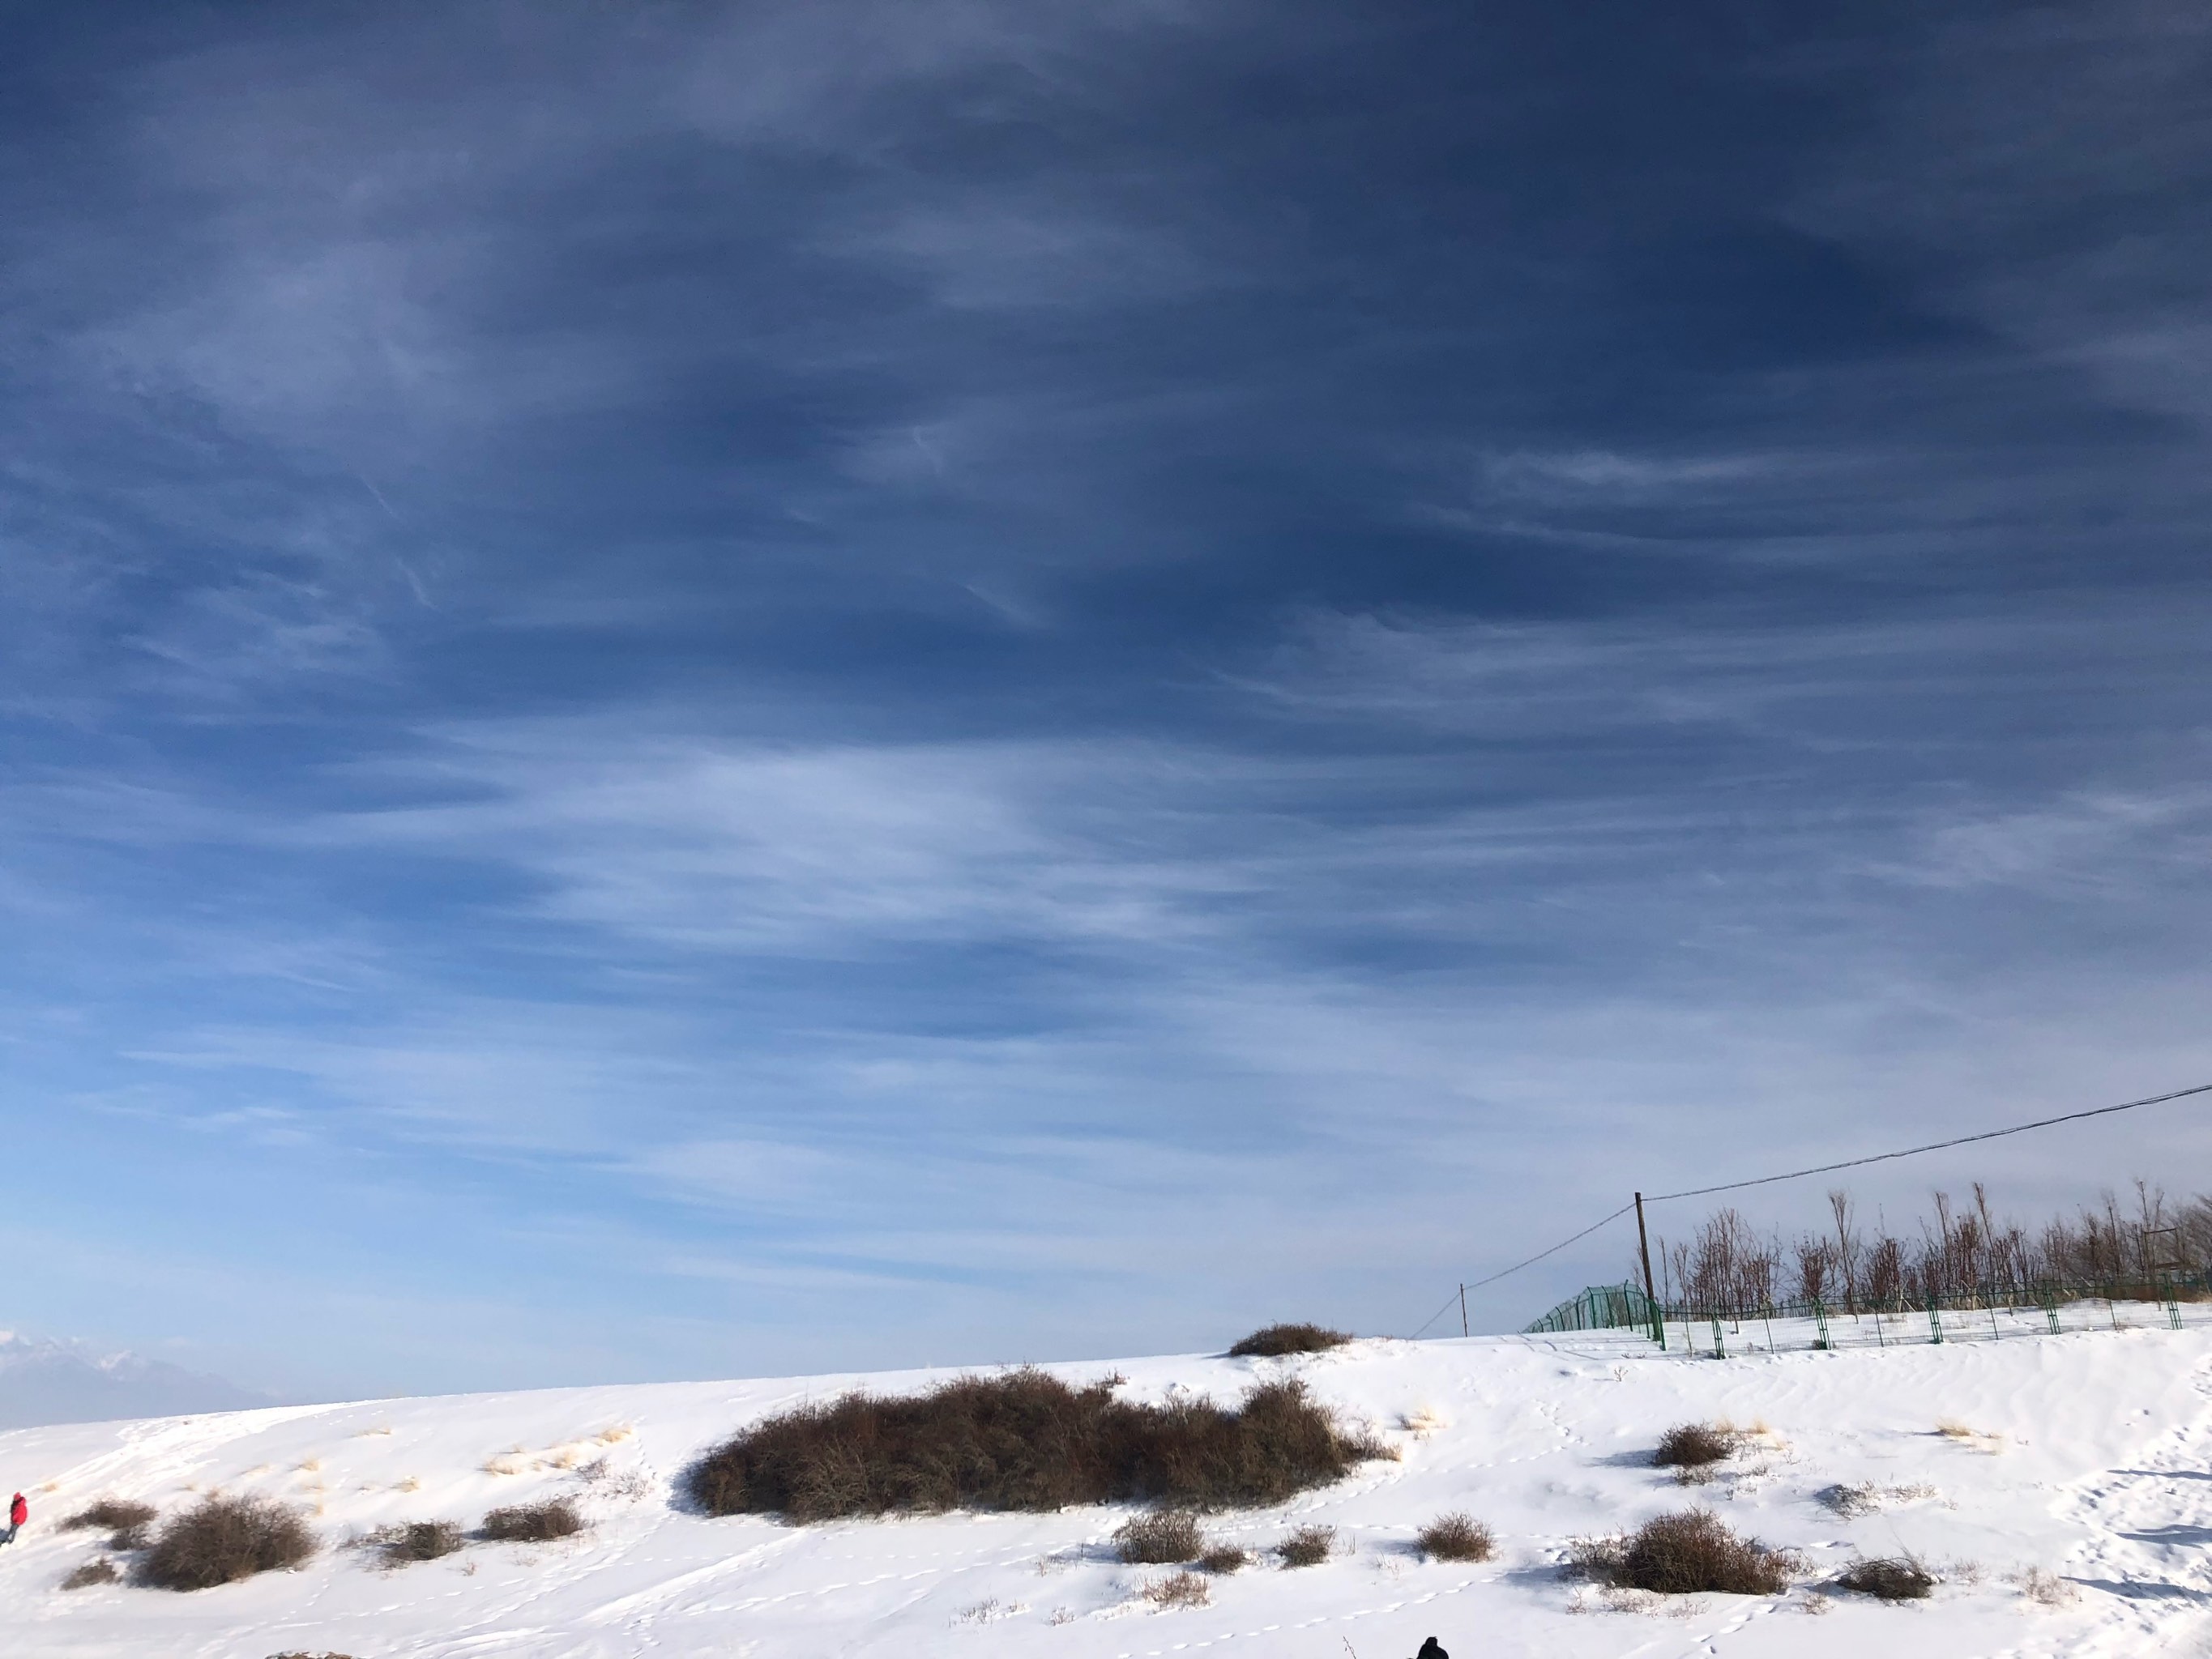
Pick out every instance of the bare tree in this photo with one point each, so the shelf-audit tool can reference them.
(1847, 1245)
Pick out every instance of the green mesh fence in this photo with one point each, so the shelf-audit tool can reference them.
(1958, 1314)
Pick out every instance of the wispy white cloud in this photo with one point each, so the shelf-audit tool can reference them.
(753, 847)
(2124, 844)
(995, 253)
(1613, 475)
(1999, 169)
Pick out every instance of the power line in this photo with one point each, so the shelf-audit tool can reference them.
(1823, 1168)
(1435, 1316)
(1561, 1245)
(1478, 1284)
(1937, 1145)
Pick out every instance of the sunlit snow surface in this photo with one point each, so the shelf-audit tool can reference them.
(2090, 1455)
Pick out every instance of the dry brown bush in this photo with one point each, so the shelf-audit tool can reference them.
(532, 1523)
(130, 1524)
(116, 1514)
(1225, 1557)
(97, 1570)
(416, 1540)
(1181, 1589)
(221, 1541)
(1024, 1440)
(1456, 1537)
(1159, 1539)
(1694, 1445)
(1271, 1341)
(1893, 1579)
(1307, 1546)
(1685, 1554)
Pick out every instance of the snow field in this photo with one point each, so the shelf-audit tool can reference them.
(2084, 1460)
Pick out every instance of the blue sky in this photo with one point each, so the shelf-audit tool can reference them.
(696, 690)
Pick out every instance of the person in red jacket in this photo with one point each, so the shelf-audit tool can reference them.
(18, 1513)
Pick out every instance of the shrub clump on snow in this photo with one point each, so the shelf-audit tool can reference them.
(532, 1523)
(1225, 1557)
(97, 1570)
(1684, 1554)
(1694, 1445)
(1456, 1538)
(1893, 1578)
(1270, 1341)
(416, 1540)
(127, 1522)
(1160, 1539)
(1180, 1589)
(1307, 1546)
(1024, 1440)
(221, 1541)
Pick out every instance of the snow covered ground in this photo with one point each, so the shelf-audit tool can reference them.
(2087, 1455)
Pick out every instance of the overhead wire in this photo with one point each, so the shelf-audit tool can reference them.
(1517, 1265)
(1818, 1168)
(1933, 1145)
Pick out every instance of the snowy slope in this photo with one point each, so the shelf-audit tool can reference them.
(2093, 1458)
(46, 1380)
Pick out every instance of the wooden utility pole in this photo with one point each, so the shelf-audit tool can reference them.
(1463, 1311)
(1643, 1250)
(1650, 1295)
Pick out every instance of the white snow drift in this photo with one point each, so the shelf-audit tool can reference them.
(2061, 1487)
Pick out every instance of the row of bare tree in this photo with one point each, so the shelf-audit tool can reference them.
(1964, 1253)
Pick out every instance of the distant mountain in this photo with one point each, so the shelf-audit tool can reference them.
(44, 1381)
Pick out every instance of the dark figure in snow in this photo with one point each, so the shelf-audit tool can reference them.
(18, 1513)
(1431, 1650)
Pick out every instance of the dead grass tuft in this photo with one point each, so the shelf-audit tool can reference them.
(97, 1570)
(221, 1540)
(416, 1540)
(1855, 1498)
(1024, 1440)
(2045, 1590)
(532, 1523)
(1164, 1537)
(1695, 1445)
(1225, 1558)
(1891, 1577)
(1684, 1554)
(1272, 1341)
(1307, 1546)
(1180, 1589)
(1456, 1537)
(989, 1611)
(1849, 1499)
